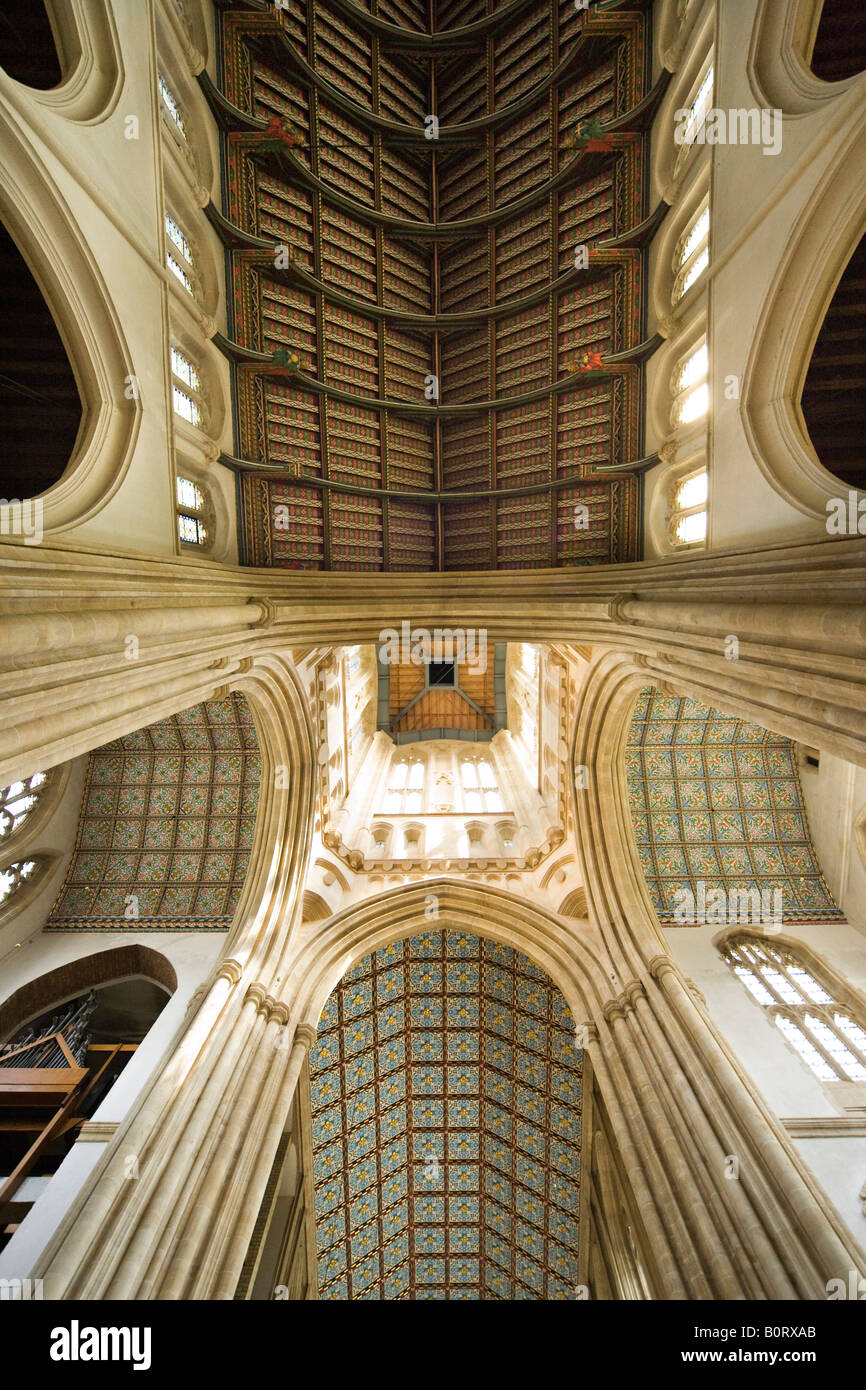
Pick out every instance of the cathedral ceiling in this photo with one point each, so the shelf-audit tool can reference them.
(430, 374)
(718, 802)
(446, 1102)
(166, 825)
(464, 701)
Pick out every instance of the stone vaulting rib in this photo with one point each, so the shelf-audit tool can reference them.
(428, 329)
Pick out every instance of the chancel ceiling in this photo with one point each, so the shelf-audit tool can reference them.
(436, 329)
(166, 825)
(717, 802)
(446, 1103)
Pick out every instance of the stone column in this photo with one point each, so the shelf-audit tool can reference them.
(742, 1215)
(177, 1222)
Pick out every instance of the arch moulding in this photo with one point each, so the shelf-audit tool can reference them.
(661, 1056)
(821, 243)
(207, 1126)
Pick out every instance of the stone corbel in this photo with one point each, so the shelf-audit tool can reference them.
(661, 965)
(229, 970)
(195, 999)
(268, 614)
(306, 1035)
(625, 1001)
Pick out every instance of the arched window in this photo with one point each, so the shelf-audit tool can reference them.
(480, 788)
(192, 513)
(692, 255)
(186, 388)
(171, 106)
(829, 1035)
(178, 254)
(690, 118)
(687, 514)
(690, 387)
(13, 876)
(405, 794)
(18, 800)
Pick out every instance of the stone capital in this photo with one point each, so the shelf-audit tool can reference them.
(230, 970)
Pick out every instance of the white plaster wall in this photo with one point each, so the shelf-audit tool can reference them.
(192, 954)
(786, 1083)
(834, 795)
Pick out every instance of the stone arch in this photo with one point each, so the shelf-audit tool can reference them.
(480, 909)
(42, 410)
(89, 59)
(780, 54)
(819, 248)
(83, 973)
(284, 822)
(832, 409)
(719, 1094)
(39, 222)
(29, 51)
(229, 1026)
(838, 47)
(483, 1144)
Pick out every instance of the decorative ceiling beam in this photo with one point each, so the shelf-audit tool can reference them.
(249, 360)
(439, 496)
(294, 273)
(584, 162)
(371, 121)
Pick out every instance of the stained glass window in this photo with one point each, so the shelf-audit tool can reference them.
(171, 105)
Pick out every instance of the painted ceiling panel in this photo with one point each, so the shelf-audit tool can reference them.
(718, 802)
(166, 825)
(446, 1101)
(482, 223)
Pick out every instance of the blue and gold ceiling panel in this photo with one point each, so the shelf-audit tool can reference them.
(446, 1111)
(166, 825)
(717, 807)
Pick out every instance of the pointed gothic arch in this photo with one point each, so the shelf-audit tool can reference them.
(38, 221)
(821, 244)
